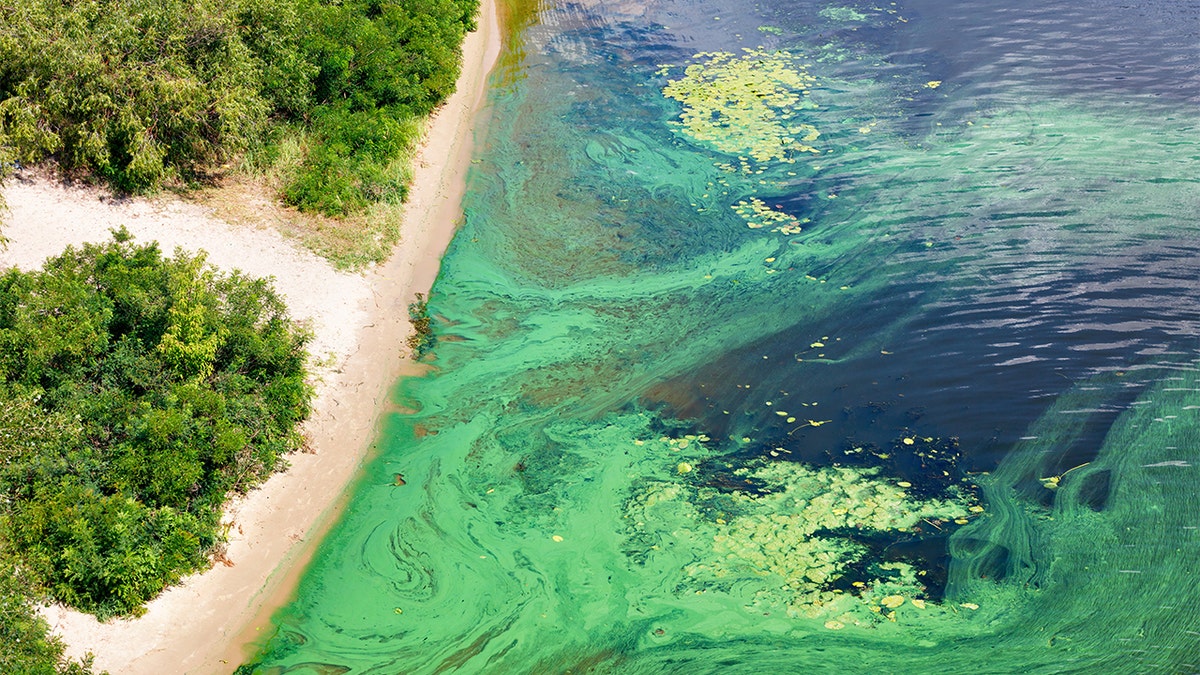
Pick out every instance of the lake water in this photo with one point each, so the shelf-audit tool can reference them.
(801, 337)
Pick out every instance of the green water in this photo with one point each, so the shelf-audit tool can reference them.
(868, 370)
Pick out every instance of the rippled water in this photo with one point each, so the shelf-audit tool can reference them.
(944, 421)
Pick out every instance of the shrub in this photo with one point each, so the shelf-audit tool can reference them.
(134, 92)
(26, 644)
(138, 93)
(353, 164)
(136, 392)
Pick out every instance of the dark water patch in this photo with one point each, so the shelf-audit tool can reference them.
(1111, 49)
(721, 476)
(924, 547)
(1095, 491)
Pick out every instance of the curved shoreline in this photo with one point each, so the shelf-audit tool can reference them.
(203, 625)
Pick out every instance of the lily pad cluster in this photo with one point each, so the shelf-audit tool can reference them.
(786, 539)
(747, 105)
(758, 214)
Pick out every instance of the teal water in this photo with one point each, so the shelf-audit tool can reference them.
(803, 338)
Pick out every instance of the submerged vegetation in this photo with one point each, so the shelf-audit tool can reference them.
(137, 392)
(326, 96)
(422, 338)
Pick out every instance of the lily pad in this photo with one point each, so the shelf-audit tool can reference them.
(747, 105)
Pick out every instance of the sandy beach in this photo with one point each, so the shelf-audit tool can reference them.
(360, 323)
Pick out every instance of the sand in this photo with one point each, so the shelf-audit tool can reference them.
(360, 322)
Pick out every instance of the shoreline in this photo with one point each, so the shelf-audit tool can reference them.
(206, 624)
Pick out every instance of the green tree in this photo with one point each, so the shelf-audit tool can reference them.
(26, 645)
(136, 392)
(141, 92)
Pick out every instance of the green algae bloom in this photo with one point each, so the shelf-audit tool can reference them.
(783, 542)
(843, 14)
(605, 267)
(747, 105)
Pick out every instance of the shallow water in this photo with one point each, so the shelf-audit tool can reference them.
(925, 401)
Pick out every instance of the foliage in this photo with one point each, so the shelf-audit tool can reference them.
(26, 644)
(380, 67)
(353, 163)
(422, 339)
(133, 92)
(758, 214)
(136, 392)
(142, 92)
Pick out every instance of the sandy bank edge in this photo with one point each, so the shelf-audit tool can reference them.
(360, 325)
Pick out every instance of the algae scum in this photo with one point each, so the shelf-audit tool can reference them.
(807, 338)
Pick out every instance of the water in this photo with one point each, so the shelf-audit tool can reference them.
(925, 401)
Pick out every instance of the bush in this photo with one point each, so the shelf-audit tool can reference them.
(133, 92)
(26, 645)
(138, 93)
(136, 392)
(353, 164)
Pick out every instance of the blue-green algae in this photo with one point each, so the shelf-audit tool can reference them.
(661, 434)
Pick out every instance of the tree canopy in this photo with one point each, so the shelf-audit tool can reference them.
(136, 392)
(26, 645)
(141, 92)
